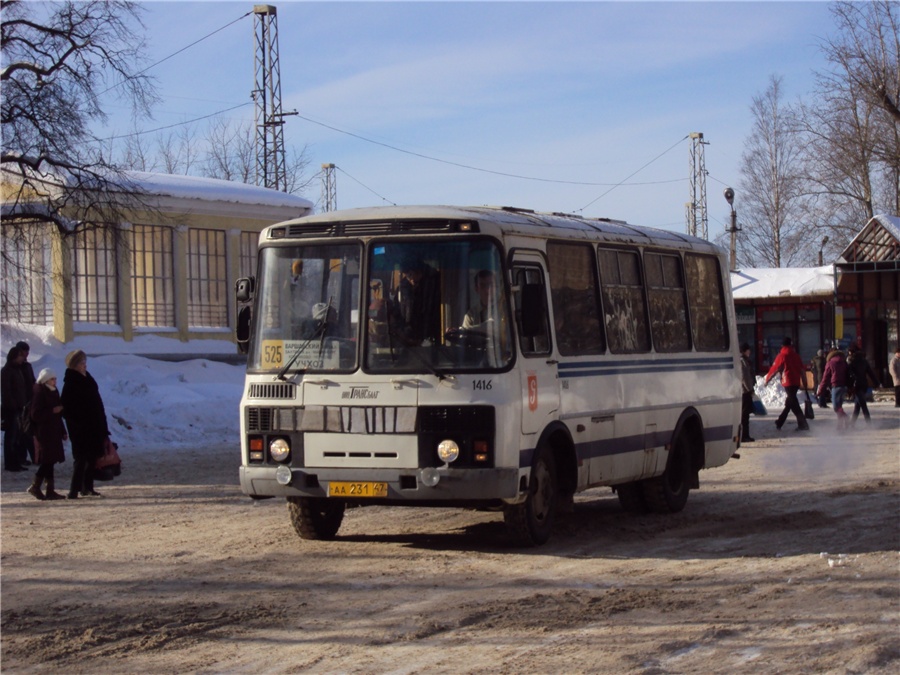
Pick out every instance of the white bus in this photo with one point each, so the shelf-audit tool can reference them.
(482, 357)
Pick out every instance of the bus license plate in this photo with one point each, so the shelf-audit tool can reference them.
(346, 489)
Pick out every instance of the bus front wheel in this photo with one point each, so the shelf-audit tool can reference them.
(531, 522)
(668, 493)
(315, 518)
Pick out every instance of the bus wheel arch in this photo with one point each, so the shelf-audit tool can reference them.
(316, 518)
(668, 493)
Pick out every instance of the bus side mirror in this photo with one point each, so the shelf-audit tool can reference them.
(243, 289)
(533, 310)
(242, 329)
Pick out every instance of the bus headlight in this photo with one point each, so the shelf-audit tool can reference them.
(448, 451)
(279, 450)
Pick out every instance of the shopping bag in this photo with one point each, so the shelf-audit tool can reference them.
(759, 407)
(808, 411)
(108, 465)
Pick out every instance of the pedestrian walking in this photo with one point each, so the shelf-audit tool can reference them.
(86, 421)
(860, 372)
(791, 366)
(13, 398)
(895, 376)
(26, 445)
(748, 380)
(835, 376)
(817, 366)
(49, 433)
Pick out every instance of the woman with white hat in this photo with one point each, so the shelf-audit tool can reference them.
(49, 433)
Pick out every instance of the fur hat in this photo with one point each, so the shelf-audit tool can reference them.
(74, 358)
(45, 375)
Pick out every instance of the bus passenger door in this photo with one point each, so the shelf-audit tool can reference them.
(537, 367)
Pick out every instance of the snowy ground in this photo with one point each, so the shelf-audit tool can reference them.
(149, 403)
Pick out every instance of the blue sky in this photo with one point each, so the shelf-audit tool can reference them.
(585, 92)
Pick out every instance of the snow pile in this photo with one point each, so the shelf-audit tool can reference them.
(149, 403)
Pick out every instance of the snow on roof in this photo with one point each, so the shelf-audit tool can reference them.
(779, 282)
(214, 189)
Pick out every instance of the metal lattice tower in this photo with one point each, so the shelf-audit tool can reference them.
(270, 168)
(329, 188)
(697, 221)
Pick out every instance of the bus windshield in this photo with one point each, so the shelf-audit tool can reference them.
(436, 306)
(308, 309)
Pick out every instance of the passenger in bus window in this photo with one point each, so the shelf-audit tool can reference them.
(419, 302)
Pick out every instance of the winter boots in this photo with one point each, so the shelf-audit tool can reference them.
(51, 493)
(35, 488)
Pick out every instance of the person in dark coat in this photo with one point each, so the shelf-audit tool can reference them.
(48, 435)
(835, 376)
(13, 398)
(817, 366)
(419, 303)
(748, 384)
(26, 445)
(862, 371)
(86, 420)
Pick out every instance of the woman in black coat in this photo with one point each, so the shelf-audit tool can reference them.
(86, 420)
(49, 432)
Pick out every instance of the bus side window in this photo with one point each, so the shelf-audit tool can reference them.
(531, 311)
(706, 301)
(668, 311)
(622, 291)
(573, 287)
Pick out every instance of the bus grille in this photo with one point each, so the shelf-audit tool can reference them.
(275, 390)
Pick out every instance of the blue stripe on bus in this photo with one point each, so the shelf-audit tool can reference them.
(589, 368)
(636, 443)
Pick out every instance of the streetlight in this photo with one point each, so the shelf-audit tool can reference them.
(824, 241)
(733, 229)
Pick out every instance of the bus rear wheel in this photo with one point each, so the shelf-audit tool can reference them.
(315, 518)
(668, 493)
(531, 522)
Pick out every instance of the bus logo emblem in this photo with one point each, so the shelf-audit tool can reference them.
(532, 392)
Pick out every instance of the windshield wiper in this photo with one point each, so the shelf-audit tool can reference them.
(319, 333)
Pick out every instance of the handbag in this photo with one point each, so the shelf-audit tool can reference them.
(108, 465)
(808, 411)
(25, 421)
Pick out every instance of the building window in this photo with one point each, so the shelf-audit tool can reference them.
(206, 277)
(249, 248)
(153, 294)
(26, 291)
(94, 274)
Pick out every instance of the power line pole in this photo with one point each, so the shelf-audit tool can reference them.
(270, 165)
(329, 188)
(697, 220)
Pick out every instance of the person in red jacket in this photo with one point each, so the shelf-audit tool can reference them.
(790, 364)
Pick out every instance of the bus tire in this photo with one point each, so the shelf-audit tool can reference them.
(631, 497)
(668, 493)
(316, 518)
(531, 522)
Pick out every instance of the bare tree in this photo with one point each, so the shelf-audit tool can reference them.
(772, 185)
(59, 60)
(853, 121)
(178, 150)
(229, 151)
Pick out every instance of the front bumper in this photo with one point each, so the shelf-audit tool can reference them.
(404, 486)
